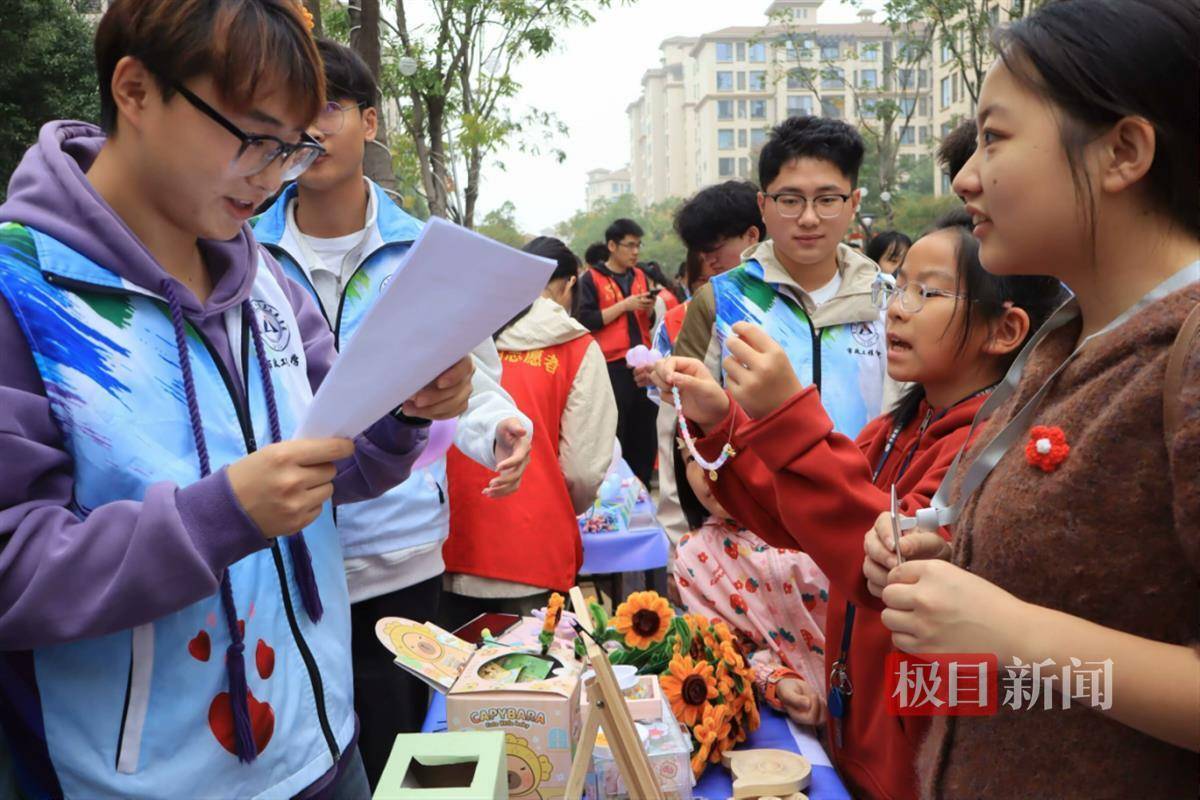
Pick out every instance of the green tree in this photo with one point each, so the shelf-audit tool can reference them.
(459, 109)
(659, 244)
(963, 28)
(501, 225)
(913, 214)
(46, 73)
(448, 85)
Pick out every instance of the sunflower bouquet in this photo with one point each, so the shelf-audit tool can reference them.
(699, 665)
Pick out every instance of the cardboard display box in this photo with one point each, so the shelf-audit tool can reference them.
(445, 766)
(540, 719)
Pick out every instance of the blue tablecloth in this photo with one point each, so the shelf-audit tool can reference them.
(626, 551)
(778, 733)
(715, 784)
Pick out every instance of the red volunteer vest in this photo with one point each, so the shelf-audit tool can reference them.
(669, 300)
(531, 536)
(674, 321)
(613, 338)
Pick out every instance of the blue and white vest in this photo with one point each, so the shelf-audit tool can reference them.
(847, 361)
(415, 512)
(136, 713)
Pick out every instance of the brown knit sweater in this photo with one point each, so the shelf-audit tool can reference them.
(1112, 536)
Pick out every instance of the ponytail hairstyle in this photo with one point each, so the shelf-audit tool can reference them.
(985, 295)
(1099, 61)
(567, 266)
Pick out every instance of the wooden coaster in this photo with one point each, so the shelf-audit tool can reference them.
(767, 773)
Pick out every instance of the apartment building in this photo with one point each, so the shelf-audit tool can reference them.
(952, 98)
(705, 111)
(606, 184)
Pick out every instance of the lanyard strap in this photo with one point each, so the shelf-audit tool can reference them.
(944, 512)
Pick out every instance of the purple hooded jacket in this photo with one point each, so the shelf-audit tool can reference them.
(62, 578)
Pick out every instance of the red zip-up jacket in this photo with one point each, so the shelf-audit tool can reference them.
(798, 484)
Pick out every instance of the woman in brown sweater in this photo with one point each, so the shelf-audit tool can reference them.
(1083, 542)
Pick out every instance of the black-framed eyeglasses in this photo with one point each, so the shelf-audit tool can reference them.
(259, 151)
(333, 117)
(791, 204)
(912, 294)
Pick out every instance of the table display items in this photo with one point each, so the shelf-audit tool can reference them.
(530, 696)
(767, 773)
(703, 675)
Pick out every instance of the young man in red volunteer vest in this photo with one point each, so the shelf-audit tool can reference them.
(615, 302)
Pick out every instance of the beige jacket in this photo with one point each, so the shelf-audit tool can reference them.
(588, 426)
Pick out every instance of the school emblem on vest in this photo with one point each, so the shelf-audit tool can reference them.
(865, 334)
(275, 331)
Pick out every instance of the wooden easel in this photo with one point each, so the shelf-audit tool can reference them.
(607, 706)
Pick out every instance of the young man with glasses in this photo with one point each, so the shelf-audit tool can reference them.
(615, 303)
(809, 291)
(173, 610)
(340, 236)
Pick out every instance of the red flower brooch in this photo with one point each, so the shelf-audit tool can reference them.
(1047, 447)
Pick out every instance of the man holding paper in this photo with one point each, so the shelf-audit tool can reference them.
(173, 608)
(341, 238)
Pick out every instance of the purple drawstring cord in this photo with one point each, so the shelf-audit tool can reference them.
(235, 663)
(301, 559)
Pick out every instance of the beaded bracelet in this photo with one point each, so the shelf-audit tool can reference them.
(727, 452)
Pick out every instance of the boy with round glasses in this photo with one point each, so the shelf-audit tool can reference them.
(809, 291)
(174, 618)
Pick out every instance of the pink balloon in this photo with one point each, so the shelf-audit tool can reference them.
(441, 436)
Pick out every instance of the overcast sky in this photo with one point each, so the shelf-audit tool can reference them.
(593, 75)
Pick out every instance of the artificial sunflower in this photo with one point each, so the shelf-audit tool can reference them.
(711, 640)
(643, 619)
(690, 688)
(722, 722)
(749, 711)
(706, 733)
(725, 684)
(737, 734)
(554, 610)
(732, 656)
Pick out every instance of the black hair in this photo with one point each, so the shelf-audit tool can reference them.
(621, 228)
(984, 295)
(724, 211)
(957, 148)
(830, 140)
(596, 253)
(887, 243)
(566, 267)
(1099, 61)
(693, 510)
(347, 75)
(693, 270)
(655, 273)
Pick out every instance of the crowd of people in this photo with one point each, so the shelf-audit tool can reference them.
(182, 612)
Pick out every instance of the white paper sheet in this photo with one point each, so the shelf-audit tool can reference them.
(451, 291)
